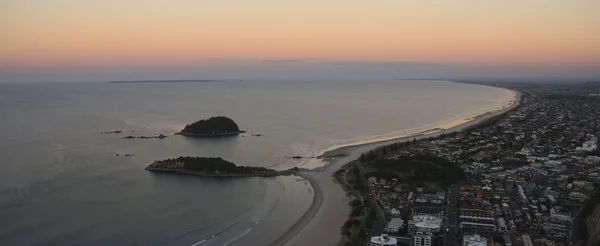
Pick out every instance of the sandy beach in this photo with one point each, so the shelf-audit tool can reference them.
(321, 223)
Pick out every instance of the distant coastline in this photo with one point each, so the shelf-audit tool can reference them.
(167, 81)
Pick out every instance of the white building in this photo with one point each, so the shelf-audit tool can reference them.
(394, 225)
(425, 222)
(474, 240)
(422, 239)
(383, 240)
(429, 225)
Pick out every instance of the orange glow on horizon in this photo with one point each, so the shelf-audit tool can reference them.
(67, 32)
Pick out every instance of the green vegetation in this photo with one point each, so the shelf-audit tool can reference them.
(209, 165)
(219, 125)
(355, 229)
(416, 170)
(590, 218)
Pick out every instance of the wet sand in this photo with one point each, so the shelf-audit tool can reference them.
(321, 223)
(308, 215)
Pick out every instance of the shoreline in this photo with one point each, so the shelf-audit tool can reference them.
(434, 131)
(307, 216)
(319, 219)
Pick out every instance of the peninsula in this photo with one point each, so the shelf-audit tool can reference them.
(214, 167)
(212, 127)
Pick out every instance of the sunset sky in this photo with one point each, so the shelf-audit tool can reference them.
(66, 34)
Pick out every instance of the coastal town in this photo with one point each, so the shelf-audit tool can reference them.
(527, 177)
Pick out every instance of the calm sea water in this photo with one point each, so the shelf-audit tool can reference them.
(62, 184)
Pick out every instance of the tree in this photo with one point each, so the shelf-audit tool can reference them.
(363, 234)
(362, 158)
(355, 203)
(357, 211)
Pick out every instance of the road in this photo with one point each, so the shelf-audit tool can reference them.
(452, 215)
(379, 223)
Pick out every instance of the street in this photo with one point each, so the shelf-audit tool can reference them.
(452, 215)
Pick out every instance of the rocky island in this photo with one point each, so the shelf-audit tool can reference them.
(214, 167)
(212, 127)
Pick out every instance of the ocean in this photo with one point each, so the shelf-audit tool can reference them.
(62, 182)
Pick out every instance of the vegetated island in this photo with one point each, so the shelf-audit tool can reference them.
(212, 127)
(214, 167)
(166, 81)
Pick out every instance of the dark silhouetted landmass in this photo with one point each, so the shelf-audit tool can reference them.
(213, 167)
(215, 126)
(112, 132)
(418, 169)
(167, 81)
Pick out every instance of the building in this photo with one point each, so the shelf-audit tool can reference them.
(394, 225)
(551, 199)
(526, 240)
(507, 240)
(553, 228)
(429, 225)
(383, 240)
(501, 224)
(422, 239)
(591, 160)
(425, 222)
(437, 198)
(556, 214)
(474, 240)
(578, 196)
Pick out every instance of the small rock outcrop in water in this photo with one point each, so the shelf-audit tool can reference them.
(160, 136)
(213, 167)
(212, 127)
(112, 132)
(298, 157)
(124, 155)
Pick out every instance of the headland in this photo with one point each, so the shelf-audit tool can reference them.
(213, 167)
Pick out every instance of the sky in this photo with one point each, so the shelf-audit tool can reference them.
(80, 39)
